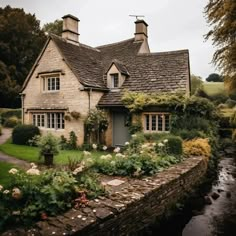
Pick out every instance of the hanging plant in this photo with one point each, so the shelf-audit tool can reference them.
(67, 117)
(75, 114)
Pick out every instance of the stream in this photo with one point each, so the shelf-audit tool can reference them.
(219, 218)
(216, 215)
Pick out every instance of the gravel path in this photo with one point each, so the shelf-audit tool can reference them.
(6, 134)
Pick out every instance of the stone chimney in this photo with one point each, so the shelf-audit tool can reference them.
(70, 29)
(141, 30)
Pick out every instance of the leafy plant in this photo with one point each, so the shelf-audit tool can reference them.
(197, 147)
(72, 142)
(48, 147)
(12, 122)
(21, 134)
(96, 123)
(75, 114)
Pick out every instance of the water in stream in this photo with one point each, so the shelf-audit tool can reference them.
(219, 218)
(216, 219)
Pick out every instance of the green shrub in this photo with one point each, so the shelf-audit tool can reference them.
(11, 122)
(72, 142)
(226, 142)
(224, 122)
(233, 120)
(230, 103)
(63, 143)
(174, 145)
(86, 147)
(225, 133)
(6, 113)
(21, 134)
(190, 134)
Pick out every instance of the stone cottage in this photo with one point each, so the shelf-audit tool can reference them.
(69, 76)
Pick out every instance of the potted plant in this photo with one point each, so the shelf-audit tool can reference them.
(49, 146)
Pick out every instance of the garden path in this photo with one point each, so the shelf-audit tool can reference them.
(6, 134)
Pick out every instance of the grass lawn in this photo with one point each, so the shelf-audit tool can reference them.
(213, 88)
(4, 175)
(30, 154)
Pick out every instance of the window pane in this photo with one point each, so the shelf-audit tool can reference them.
(147, 122)
(38, 120)
(153, 122)
(57, 84)
(42, 120)
(160, 121)
(167, 122)
(49, 85)
(52, 120)
(62, 121)
(53, 83)
(34, 120)
(114, 81)
(48, 120)
(58, 120)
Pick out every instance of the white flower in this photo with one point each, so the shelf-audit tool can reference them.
(13, 171)
(119, 155)
(86, 153)
(16, 193)
(6, 191)
(117, 149)
(113, 163)
(104, 148)
(33, 166)
(16, 213)
(165, 141)
(33, 172)
(1, 187)
(161, 145)
(126, 143)
(153, 144)
(94, 146)
(106, 157)
(133, 135)
(144, 145)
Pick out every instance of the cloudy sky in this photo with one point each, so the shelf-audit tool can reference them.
(173, 24)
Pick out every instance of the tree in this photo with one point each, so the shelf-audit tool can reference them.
(221, 15)
(214, 78)
(196, 83)
(21, 40)
(54, 27)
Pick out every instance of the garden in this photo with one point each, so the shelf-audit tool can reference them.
(63, 175)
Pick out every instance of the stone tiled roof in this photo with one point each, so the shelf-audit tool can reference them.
(84, 61)
(120, 66)
(153, 72)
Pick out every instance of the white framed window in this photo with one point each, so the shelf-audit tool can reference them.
(51, 84)
(115, 80)
(50, 120)
(156, 122)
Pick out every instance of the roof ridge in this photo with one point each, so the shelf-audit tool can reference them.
(111, 44)
(164, 53)
(80, 44)
(89, 47)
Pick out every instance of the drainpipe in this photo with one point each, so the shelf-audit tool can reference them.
(89, 98)
(22, 107)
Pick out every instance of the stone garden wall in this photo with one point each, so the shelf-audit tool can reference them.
(131, 205)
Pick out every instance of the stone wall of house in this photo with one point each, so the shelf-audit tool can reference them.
(70, 97)
(130, 206)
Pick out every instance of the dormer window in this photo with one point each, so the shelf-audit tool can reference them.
(115, 80)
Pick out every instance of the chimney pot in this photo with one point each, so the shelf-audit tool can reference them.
(70, 29)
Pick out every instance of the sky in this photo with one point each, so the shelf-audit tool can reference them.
(173, 24)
